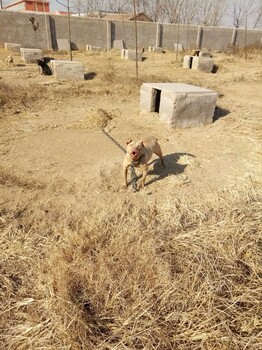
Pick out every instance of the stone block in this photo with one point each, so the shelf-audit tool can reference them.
(30, 55)
(204, 64)
(67, 70)
(179, 105)
(155, 49)
(118, 44)
(63, 44)
(187, 63)
(204, 54)
(13, 47)
(131, 55)
(178, 47)
(93, 48)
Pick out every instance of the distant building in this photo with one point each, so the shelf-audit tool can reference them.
(29, 5)
(127, 17)
(116, 16)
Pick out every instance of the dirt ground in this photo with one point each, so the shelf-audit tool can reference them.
(86, 264)
(55, 141)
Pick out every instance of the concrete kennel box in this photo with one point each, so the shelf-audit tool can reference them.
(179, 105)
(30, 55)
(67, 70)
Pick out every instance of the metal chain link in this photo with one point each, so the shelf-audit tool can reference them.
(134, 177)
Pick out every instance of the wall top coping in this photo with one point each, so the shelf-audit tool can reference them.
(179, 88)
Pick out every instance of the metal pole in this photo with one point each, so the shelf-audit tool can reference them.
(69, 31)
(1, 4)
(246, 37)
(134, 4)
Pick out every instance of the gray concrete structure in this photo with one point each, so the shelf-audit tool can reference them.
(13, 47)
(16, 27)
(63, 45)
(93, 48)
(155, 49)
(30, 55)
(179, 105)
(131, 55)
(204, 64)
(118, 44)
(67, 70)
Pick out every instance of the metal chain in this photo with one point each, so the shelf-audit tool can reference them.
(134, 177)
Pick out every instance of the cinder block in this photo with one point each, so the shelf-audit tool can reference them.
(67, 70)
(179, 105)
(155, 49)
(178, 47)
(30, 55)
(131, 55)
(93, 48)
(13, 47)
(187, 63)
(63, 44)
(118, 44)
(204, 64)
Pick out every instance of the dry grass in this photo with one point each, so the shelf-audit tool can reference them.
(179, 274)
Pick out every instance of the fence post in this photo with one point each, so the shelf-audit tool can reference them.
(234, 37)
(109, 35)
(199, 38)
(158, 34)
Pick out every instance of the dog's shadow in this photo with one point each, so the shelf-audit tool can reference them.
(171, 166)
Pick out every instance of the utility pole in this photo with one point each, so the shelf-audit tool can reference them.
(1, 4)
(134, 4)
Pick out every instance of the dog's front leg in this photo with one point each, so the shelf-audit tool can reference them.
(144, 175)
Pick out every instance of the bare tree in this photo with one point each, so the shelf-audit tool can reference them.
(152, 8)
(188, 11)
(258, 15)
(171, 9)
(240, 10)
(211, 12)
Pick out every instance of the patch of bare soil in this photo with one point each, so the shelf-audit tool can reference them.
(87, 264)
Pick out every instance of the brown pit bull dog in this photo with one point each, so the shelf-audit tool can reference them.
(139, 153)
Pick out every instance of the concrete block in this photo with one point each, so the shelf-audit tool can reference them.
(118, 44)
(204, 64)
(93, 48)
(179, 105)
(187, 63)
(67, 70)
(131, 55)
(155, 49)
(13, 47)
(63, 44)
(204, 54)
(30, 55)
(178, 47)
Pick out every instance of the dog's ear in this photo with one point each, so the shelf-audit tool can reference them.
(128, 141)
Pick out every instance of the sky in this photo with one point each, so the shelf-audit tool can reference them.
(57, 5)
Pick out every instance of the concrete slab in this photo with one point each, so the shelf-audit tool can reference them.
(179, 105)
(94, 48)
(13, 47)
(155, 49)
(204, 64)
(118, 44)
(30, 55)
(63, 44)
(67, 70)
(187, 63)
(131, 55)
(178, 47)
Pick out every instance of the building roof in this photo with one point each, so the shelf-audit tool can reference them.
(127, 17)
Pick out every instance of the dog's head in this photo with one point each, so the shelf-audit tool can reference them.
(135, 149)
(40, 62)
